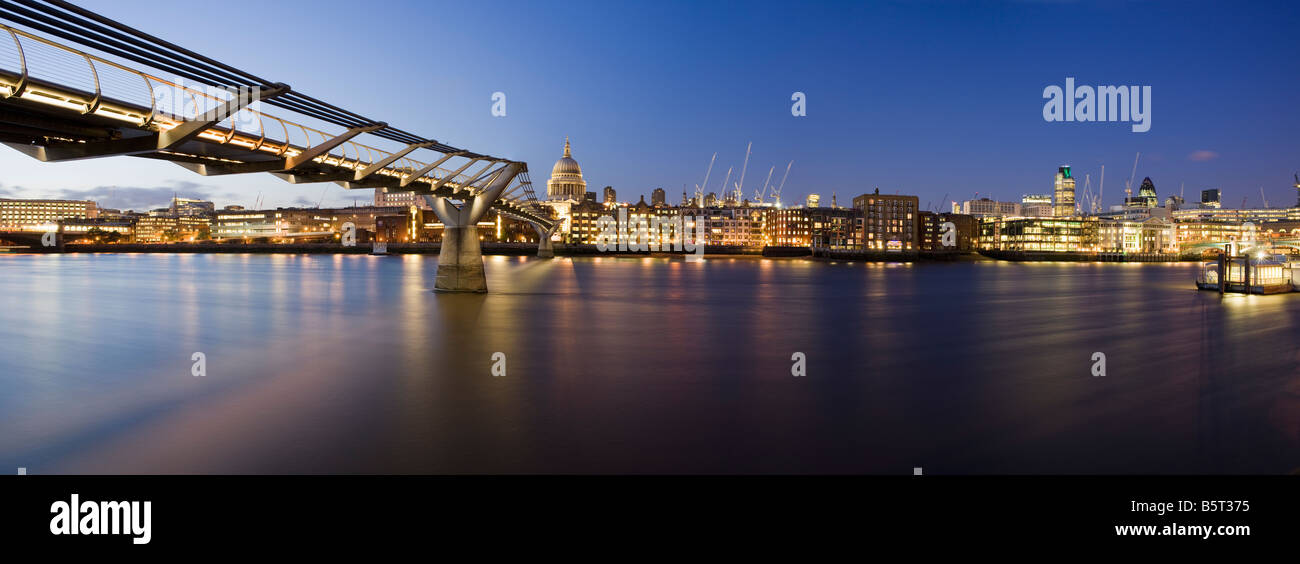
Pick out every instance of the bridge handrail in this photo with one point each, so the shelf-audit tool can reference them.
(360, 156)
(159, 120)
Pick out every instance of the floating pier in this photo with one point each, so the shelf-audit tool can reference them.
(1264, 274)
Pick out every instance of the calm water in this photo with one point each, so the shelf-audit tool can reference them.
(328, 364)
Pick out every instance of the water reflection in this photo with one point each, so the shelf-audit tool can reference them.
(351, 364)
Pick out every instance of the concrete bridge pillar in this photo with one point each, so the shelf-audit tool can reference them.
(460, 262)
(545, 247)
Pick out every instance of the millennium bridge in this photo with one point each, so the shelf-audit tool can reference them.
(77, 85)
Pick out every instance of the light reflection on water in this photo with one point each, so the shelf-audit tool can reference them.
(348, 363)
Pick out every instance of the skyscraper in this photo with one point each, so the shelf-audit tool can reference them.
(611, 197)
(658, 198)
(1146, 197)
(1063, 204)
(1210, 198)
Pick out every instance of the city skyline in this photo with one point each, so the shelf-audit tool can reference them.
(633, 120)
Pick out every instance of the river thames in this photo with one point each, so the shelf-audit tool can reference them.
(350, 364)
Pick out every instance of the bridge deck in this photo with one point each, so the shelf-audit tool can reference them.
(51, 113)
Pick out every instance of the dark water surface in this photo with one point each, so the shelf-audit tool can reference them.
(329, 364)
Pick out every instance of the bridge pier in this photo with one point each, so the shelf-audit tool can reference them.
(545, 247)
(460, 262)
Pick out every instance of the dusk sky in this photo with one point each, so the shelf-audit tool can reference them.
(926, 98)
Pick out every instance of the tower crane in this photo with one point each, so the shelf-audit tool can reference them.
(740, 186)
(1101, 190)
(723, 189)
(776, 194)
(758, 196)
(699, 188)
(1128, 187)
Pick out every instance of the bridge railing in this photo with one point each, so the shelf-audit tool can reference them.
(37, 69)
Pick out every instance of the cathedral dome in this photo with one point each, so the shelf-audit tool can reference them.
(566, 181)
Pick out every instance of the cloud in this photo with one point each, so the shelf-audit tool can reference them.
(303, 202)
(139, 198)
(1202, 156)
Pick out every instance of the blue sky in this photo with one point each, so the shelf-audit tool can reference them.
(926, 98)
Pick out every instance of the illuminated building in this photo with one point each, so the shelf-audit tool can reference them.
(167, 228)
(86, 228)
(191, 206)
(565, 189)
(1146, 197)
(834, 228)
(737, 227)
(1063, 204)
(789, 227)
(1255, 215)
(1198, 232)
(931, 231)
(492, 228)
(384, 199)
(41, 215)
(814, 200)
(658, 198)
(985, 207)
(887, 222)
(388, 225)
(808, 227)
(1211, 198)
(611, 196)
(1039, 234)
(1151, 235)
(1035, 205)
(566, 183)
(584, 221)
(272, 224)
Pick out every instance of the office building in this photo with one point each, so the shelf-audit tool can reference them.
(1063, 203)
(40, 215)
(985, 207)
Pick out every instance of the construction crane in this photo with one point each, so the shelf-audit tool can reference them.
(758, 196)
(1263, 197)
(1086, 203)
(740, 186)
(776, 194)
(699, 188)
(723, 189)
(945, 199)
(1128, 186)
(1101, 190)
(1297, 187)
